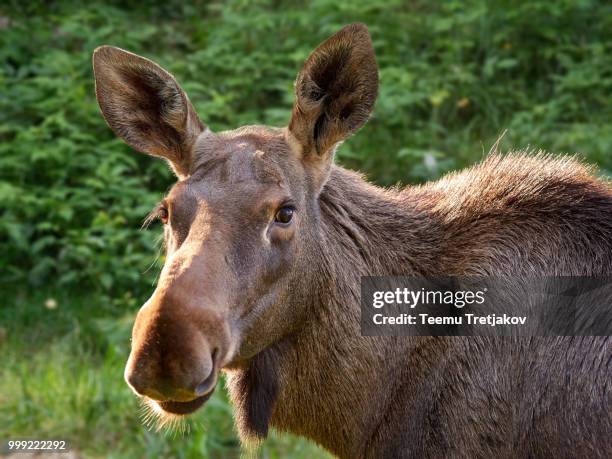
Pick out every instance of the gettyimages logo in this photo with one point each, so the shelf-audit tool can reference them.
(412, 298)
(486, 306)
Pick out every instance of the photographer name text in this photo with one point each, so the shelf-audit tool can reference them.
(467, 319)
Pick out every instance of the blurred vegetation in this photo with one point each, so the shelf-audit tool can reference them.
(454, 76)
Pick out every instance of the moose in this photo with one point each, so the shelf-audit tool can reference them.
(267, 240)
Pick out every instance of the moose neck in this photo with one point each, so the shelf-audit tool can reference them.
(327, 382)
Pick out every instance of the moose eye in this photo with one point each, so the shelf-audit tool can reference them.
(284, 215)
(162, 213)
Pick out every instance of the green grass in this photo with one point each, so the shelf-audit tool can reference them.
(62, 377)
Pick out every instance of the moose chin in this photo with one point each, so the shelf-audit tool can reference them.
(267, 240)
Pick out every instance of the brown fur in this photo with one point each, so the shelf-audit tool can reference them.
(277, 306)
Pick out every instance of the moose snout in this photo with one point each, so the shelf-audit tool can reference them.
(176, 354)
(166, 382)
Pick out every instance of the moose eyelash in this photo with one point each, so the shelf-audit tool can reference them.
(288, 203)
(153, 215)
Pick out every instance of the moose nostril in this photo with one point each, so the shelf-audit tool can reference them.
(135, 383)
(205, 386)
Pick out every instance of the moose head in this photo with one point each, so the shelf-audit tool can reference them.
(242, 223)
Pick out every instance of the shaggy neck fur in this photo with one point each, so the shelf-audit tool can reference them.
(352, 394)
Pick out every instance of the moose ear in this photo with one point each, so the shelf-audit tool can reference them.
(335, 91)
(144, 105)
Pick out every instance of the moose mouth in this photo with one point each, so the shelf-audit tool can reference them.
(184, 408)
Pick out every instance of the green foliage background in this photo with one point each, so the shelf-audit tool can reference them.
(454, 76)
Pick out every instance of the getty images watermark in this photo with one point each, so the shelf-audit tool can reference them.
(486, 306)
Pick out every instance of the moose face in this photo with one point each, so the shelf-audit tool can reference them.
(242, 220)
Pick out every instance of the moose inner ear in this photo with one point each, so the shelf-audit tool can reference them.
(144, 105)
(335, 91)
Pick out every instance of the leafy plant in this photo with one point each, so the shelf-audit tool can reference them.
(454, 75)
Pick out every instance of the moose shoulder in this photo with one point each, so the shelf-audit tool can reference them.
(266, 242)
